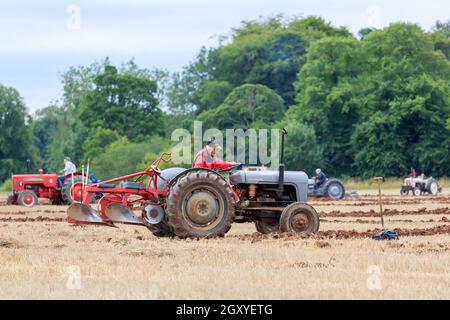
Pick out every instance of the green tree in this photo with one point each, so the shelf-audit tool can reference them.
(408, 82)
(302, 150)
(441, 37)
(211, 94)
(183, 86)
(443, 27)
(122, 101)
(328, 98)
(261, 53)
(45, 127)
(123, 157)
(247, 106)
(15, 135)
(79, 80)
(96, 144)
(314, 28)
(378, 105)
(364, 32)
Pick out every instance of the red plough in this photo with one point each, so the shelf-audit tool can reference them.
(147, 192)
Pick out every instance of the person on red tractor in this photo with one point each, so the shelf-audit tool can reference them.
(69, 168)
(206, 158)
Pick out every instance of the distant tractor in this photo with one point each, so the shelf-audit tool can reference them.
(27, 188)
(331, 188)
(420, 185)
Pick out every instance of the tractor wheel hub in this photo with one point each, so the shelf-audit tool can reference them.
(76, 193)
(334, 191)
(202, 208)
(28, 199)
(300, 222)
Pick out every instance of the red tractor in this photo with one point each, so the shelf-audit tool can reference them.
(27, 188)
(199, 202)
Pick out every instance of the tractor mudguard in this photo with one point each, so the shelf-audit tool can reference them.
(181, 174)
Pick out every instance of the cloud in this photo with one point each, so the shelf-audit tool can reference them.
(117, 40)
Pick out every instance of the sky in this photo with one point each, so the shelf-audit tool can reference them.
(41, 39)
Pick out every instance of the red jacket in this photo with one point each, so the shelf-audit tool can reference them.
(205, 160)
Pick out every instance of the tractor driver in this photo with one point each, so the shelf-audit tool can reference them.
(69, 168)
(320, 178)
(206, 158)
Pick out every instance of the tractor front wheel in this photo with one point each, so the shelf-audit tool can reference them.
(404, 192)
(266, 227)
(417, 191)
(200, 205)
(300, 218)
(433, 187)
(27, 198)
(334, 189)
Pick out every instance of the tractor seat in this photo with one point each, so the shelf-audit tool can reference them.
(132, 185)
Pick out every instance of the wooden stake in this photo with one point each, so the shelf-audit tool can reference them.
(379, 180)
(82, 182)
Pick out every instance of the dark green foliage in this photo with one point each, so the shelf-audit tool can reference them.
(95, 145)
(247, 106)
(327, 101)
(443, 27)
(122, 101)
(302, 150)
(266, 52)
(15, 136)
(211, 94)
(124, 157)
(378, 105)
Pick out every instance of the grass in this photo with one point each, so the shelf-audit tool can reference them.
(389, 183)
(6, 186)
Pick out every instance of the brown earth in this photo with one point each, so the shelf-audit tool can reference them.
(44, 257)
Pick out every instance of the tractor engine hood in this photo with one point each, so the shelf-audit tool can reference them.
(299, 179)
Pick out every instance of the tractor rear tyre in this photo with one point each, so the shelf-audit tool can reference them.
(10, 199)
(27, 198)
(56, 202)
(300, 218)
(67, 190)
(266, 228)
(433, 187)
(200, 205)
(334, 189)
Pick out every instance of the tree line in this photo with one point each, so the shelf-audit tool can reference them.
(373, 104)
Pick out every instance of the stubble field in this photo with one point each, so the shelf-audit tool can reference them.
(44, 257)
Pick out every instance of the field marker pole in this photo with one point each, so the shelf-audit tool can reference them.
(87, 171)
(82, 182)
(379, 179)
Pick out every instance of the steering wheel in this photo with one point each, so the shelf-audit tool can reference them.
(237, 166)
(156, 169)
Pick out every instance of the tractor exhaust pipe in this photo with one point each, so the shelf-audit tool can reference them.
(28, 166)
(282, 165)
